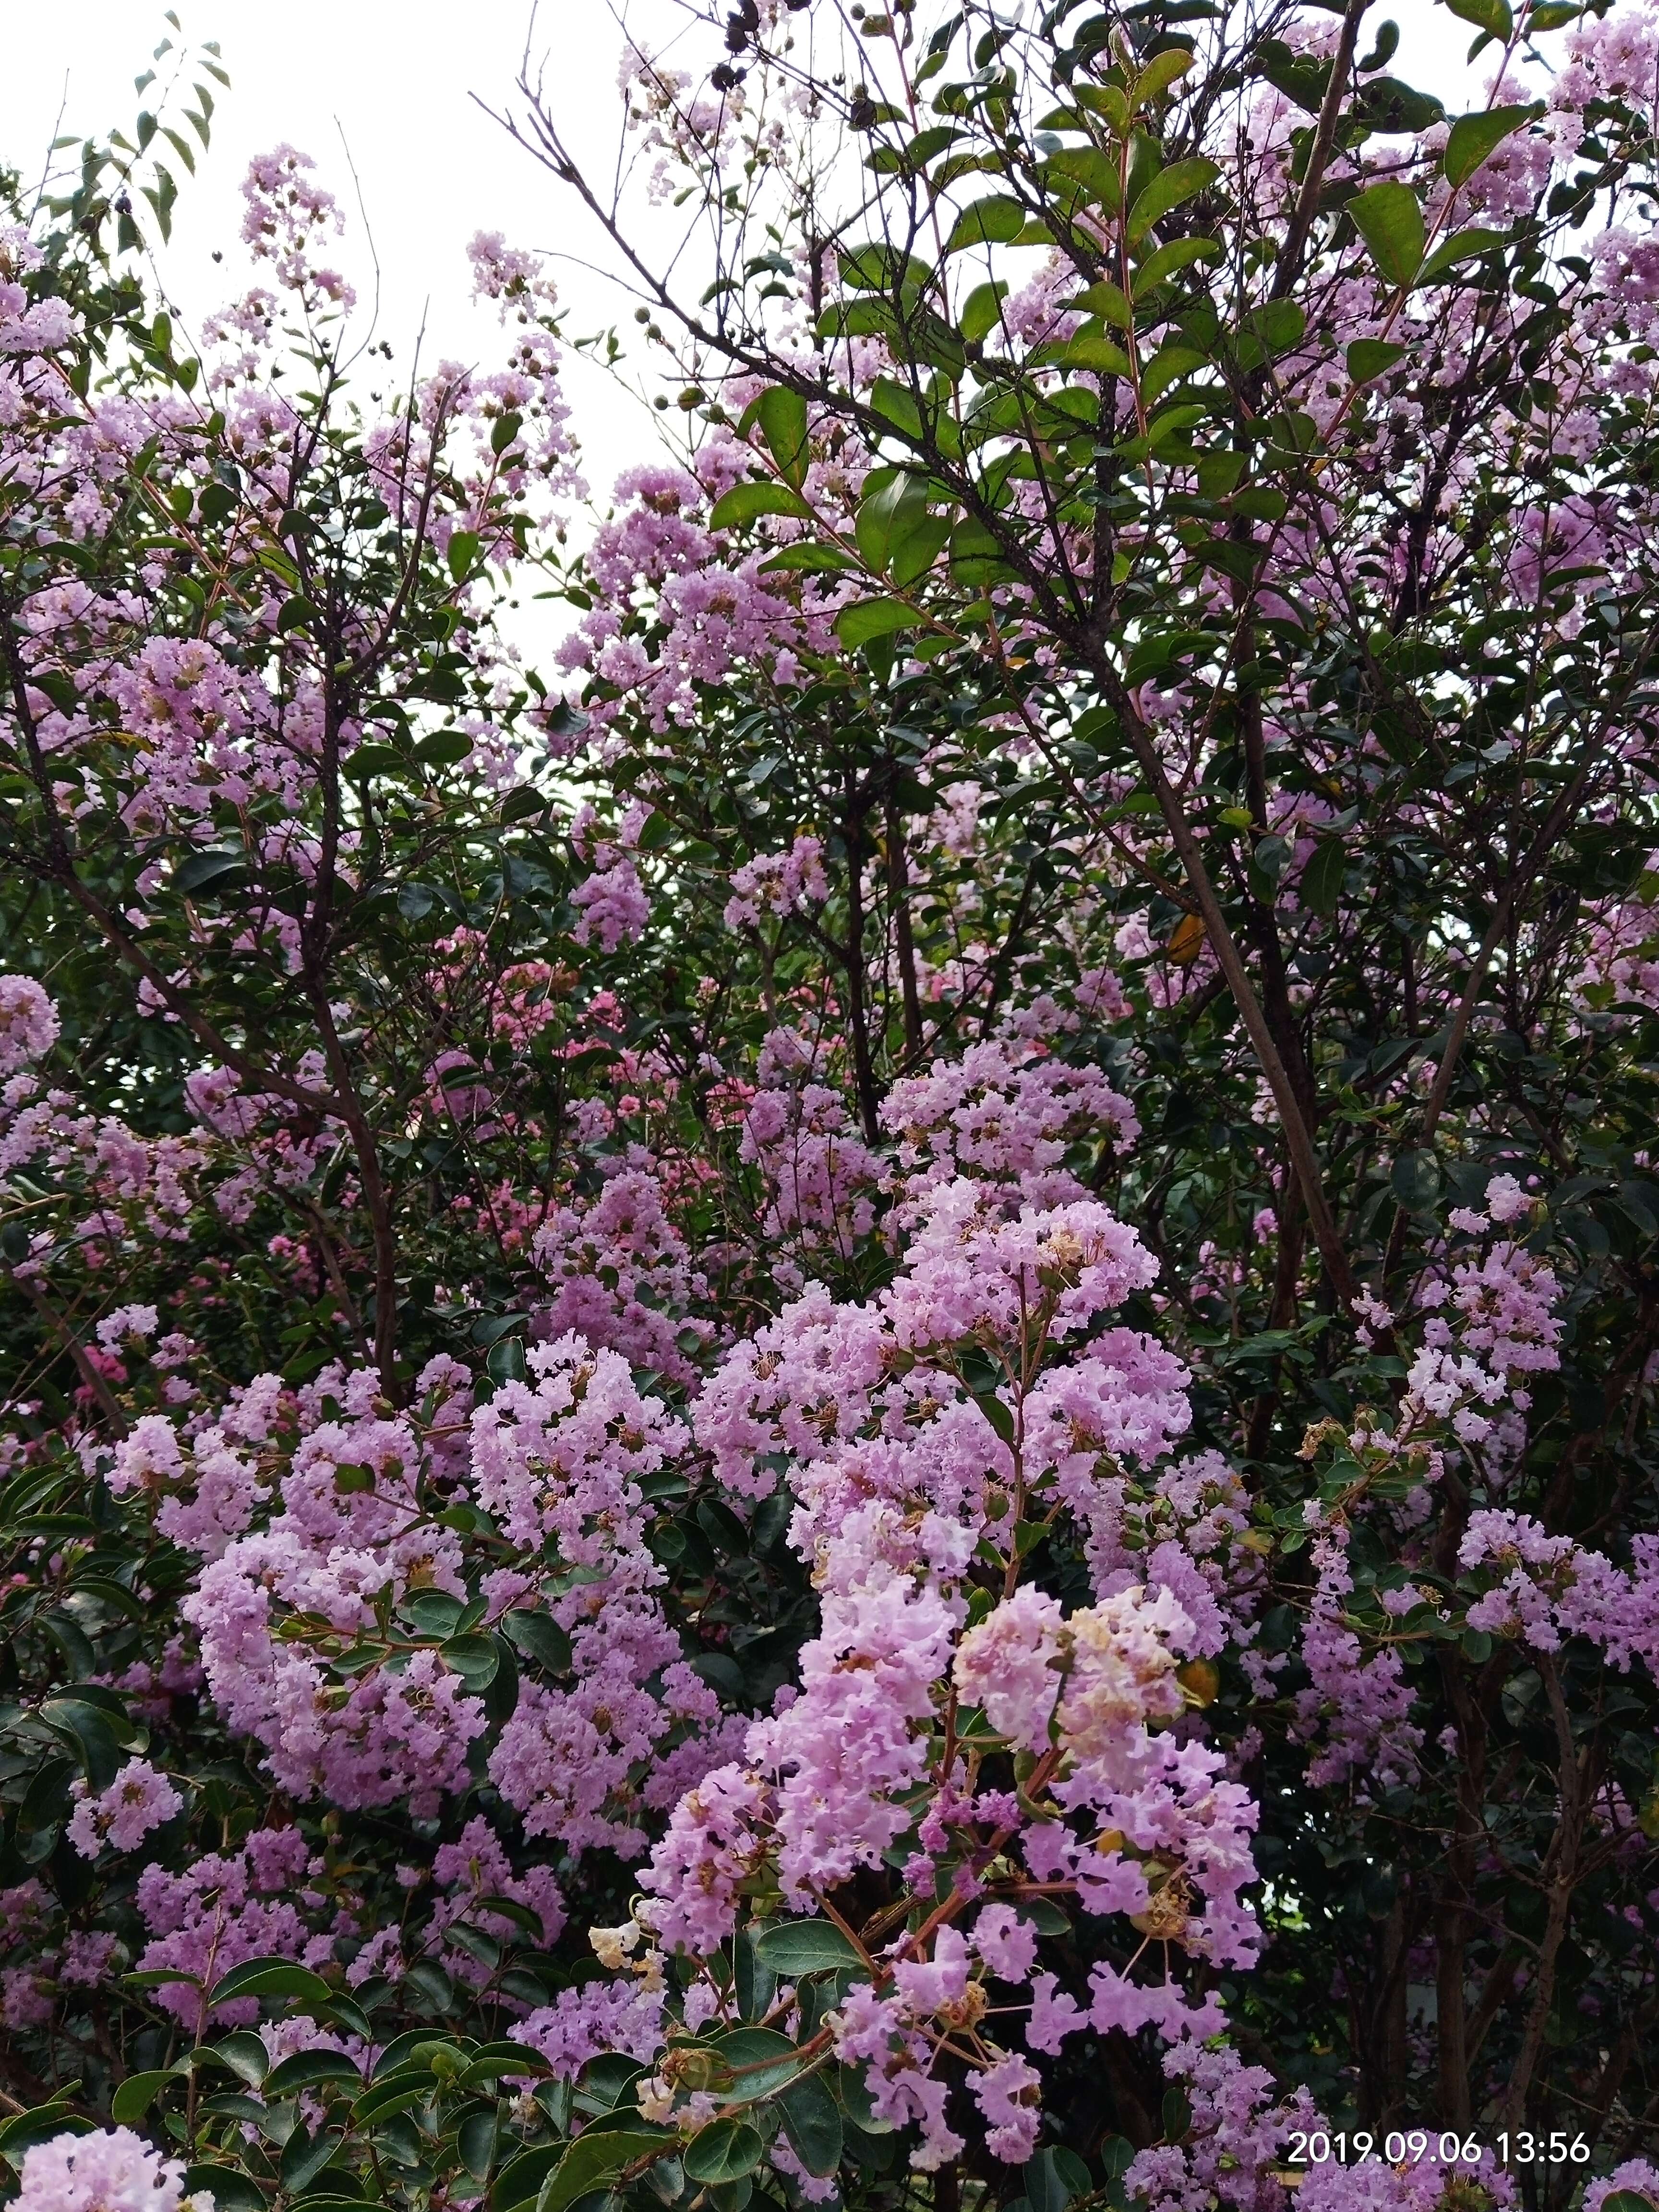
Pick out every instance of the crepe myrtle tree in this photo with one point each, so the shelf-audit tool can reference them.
(850, 1401)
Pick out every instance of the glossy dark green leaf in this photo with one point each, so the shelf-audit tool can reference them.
(1415, 1179)
(724, 2151)
(305, 2155)
(135, 2096)
(1054, 2178)
(477, 2139)
(227, 2185)
(812, 2120)
(268, 1977)
(792, 1947)
(308, 2070)
(538, 1635)
(1321, 885)
(592, 2160)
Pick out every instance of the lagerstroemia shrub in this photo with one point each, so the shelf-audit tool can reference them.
(848, 1394)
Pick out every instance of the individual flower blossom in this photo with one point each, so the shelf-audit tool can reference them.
(1006, 1942)
(1010, 1665)
(1009, 2092)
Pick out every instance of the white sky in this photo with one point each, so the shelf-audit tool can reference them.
(395, 77)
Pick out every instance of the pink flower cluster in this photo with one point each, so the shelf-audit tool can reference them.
(902, 1476)
(777, 885)
(111, 2170)
(136, 1801)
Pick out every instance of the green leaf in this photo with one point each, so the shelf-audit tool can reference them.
(1320, 886)
(1474, 138)
(1160, 74)
(1054, 2178)
(40, 2124)
(1091, 349)
(540, 1637)
(445, 747)
(869, 619)
(593, 2159)
(1299, 76)
(521, 2179)
(201, 869)
(1463, 245)
(1275, 327)
(1390, 220)
(793, 1947)
(1415, 1181)
(888, 515)
(463, 552)
(745, 502)
(1491, 16)
(46, 1802)
(1167, 366)
(916, 553)
(812, 2120)
(304, 2156)
(245, 2053)
(231, 2189)
(724, 2151)
(982, 310)
(1000, 1419)
(477, 2139)
(809, 560)
(1167, 189)
(407, 2085)
(783, 425)
(1372, 357)
(474, 1658)
(137, 2094)
(1044, 1915)
(881, 268)
(976, 555)
(498, 2058)
(1108, 300)
(995, 221)
(1166, 261)
(308, 2070)
(375, 760)
(269, 1978)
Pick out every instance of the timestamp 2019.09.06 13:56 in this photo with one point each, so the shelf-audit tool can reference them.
(1447, 2146)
